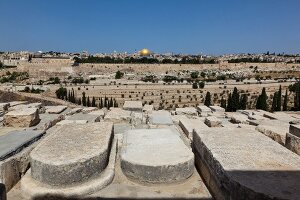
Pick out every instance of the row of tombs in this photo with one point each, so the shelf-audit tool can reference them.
(135, 152)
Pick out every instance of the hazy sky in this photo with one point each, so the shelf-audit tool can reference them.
(179, 26)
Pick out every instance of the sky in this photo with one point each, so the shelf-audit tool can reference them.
(210, 27)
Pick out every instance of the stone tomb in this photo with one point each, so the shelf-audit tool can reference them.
(55, 109)
(71, 154)
(133, 106)
(240, 163)
(293, 139)
(26, 117)
(156, 156)
(161, 117)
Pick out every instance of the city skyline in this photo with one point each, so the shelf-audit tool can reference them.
(186, 27)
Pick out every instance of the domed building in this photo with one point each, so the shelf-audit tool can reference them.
(145, 52)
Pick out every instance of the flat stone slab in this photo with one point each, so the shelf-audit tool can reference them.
(148, 108)
(74, 110)
(80, 116)
(274, 129)
(189, 125)
(89, 109)
(247, 165)
(295, 129)
(22, 118)
(156, 156)
(99, 113)
(121, 128)
(293, 143)
(15, 103)
(118, 115)
(161, 118)
(186, 111)
(133, 105)
(217, 109)
(71, 154)
(212, 121)
(237, 118)
(13, 142)
(55, 109)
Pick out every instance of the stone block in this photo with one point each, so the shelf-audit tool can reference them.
(99, 113)
(72, 154)
(203, 110)
(293, 143)
(22, 118)
(295, 129)
(212, 121)
(148, 108)
(156, 156)
(187, 111)
(86, 110)
(217, 109)
(248, 165)
(118, 115)
(133, 106)
(161, 117)
(55, 109)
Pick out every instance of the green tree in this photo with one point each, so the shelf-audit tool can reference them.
(261, 102)
(201, 84)
(229, 107)
(274, 102)
(278, 103)
(88, 103)
(119, 75)
(93, 102)
(285, 101)
(79, 101)
(207, 101)
(243, 102)
(101, 103)
(84, 99)
(194, 74)
(195, 86)
(61, 93)
(56, 80)
(235, 99)
(223, 103)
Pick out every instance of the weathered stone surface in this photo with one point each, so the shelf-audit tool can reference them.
(74, 110)
(295, 130)
(217, 109)
(243, 164)
(13, 142)
(99, 113)
(86, 110)
(203, 110)
(189, 125)
(161, 117)
(274, 129)
(80, 116)
(156, 156)
(148, 108)
(187, 111)
(118, 115)
(15, 103)
(22, 118)
(55, 109)
(48, 120)
(72, 153)
(293, 143)
(237, 118)
(212, 121)
(133, 106)
(121, 128)
(4, 106)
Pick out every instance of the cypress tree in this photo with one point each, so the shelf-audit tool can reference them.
(278, 103)
(111, 103)
(223, 103)
(69, 96)
(243, 102)
(83, 99)
(93, 102)
(88, 104)
(73, 96)
(274, 102)
(285, 101)
(235, 99)
(261, 102)
(207, 101)
(229, 104)
(101, 103)
(105, 102)
(79, 101)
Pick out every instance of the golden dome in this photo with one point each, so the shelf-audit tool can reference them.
(144, 52)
